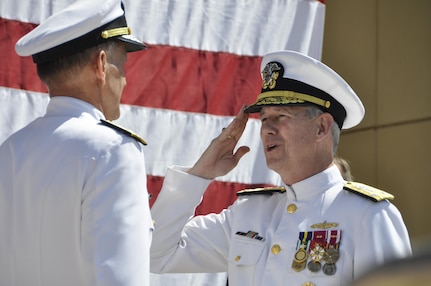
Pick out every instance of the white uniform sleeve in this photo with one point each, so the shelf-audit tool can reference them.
(381, 236)
(116, 220)
(184, 245)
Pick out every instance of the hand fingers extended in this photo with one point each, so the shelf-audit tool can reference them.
(235, 129)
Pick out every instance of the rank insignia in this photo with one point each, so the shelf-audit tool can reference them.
(261, 191)
(123, 130)
(368, 192)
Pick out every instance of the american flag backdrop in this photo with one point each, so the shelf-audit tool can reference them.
(201, 66)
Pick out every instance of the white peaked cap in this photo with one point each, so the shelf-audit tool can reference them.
(84, 24)
(292, 78)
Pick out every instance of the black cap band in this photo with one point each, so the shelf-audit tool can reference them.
(91, 39)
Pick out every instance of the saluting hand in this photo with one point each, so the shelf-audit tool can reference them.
(219, 158)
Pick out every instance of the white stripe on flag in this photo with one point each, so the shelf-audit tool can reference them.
(242, 27)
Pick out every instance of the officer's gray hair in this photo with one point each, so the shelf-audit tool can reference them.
(313, 111)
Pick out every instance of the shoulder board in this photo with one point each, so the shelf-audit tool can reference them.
(261, 191)
(123, 130)
(368, 192)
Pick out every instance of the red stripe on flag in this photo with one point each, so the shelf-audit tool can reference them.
(20, 72)
(191, 80)
(160, 77)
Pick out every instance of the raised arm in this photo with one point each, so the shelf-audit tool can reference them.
(219, 158)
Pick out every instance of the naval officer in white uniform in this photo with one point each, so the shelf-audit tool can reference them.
(316, 229)
(73, 200)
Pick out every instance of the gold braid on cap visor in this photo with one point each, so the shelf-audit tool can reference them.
(287, 96)
(116, 32)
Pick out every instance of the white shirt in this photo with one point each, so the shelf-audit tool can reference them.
(256, 238)
(74, 206)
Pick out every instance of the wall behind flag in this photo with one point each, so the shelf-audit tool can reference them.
(382, 49)
(201, 66)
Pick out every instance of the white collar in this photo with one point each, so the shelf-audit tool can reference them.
(72, 107)
(316, 184)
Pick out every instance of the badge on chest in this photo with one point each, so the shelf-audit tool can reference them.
(318, 249)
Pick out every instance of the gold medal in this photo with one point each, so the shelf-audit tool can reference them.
(300, 260)
(298, 266)
(301, 255)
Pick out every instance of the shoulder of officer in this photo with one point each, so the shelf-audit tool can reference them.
(368, 192)
(261, 191)
(123, 130)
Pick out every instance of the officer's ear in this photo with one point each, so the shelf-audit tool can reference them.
(100, 65)
(324, 122)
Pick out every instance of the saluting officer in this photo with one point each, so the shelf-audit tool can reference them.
(74, 206)
(316, 229)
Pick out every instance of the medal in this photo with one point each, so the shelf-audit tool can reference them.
(314, 266)
(301, 255)
(316, 255)
(300, 260)
(329, 268)
(317, 250)
(297, 266)
(332, 254)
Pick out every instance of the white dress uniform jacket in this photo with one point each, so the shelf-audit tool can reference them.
(256, 238)
(74, 206)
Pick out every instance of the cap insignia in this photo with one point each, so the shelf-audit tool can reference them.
(270, 74)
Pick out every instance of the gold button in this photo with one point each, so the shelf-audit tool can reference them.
(238, 258)
(308, 283)
(291, 208)
(275, 249)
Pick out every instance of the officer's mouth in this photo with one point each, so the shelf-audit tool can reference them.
(271, 147)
